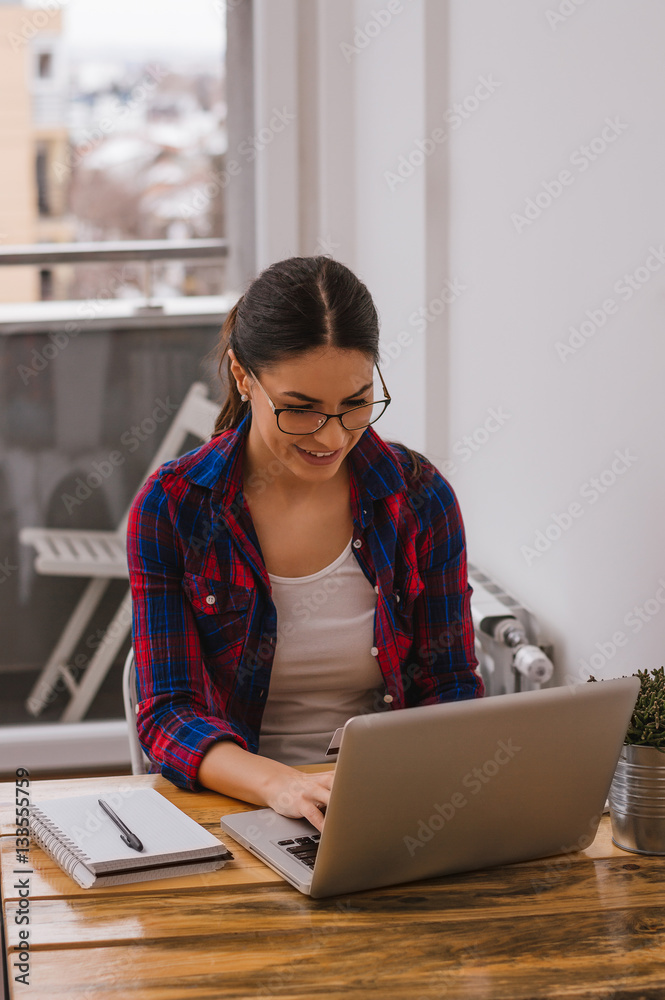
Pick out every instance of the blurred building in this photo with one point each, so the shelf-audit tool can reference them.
(33, 139)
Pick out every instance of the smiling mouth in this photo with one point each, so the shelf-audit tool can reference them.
(320, 456)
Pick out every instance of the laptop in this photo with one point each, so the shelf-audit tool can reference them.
(452, 787)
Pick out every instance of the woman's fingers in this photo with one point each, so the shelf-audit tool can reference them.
(305, 795)
(314, 815)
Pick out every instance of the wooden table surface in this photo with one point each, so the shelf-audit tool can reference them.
(583, 925)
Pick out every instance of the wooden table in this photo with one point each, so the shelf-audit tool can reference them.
(589, 924)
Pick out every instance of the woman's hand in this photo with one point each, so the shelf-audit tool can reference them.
(229, 769)
(297, 794)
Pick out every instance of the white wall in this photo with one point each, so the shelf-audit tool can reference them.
(532, 91)
(362, 68)
(567, 418)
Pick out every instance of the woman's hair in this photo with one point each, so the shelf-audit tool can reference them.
(294, 306)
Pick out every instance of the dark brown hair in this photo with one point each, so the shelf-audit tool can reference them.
(292, 307)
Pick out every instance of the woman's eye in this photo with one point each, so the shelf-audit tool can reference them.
(356, 402)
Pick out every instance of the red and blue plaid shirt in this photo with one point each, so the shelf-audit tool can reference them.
(204, 624)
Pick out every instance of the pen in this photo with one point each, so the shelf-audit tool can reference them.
(126, 835)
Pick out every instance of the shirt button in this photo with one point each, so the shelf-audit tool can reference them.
(136, 709)
(376, 589)
(374, 651)
(387, 698)
(210, 599)
(397, 598)
(357, 543)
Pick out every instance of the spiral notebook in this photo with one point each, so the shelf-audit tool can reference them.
(86, 843)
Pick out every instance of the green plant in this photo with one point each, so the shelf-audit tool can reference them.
(647, 724)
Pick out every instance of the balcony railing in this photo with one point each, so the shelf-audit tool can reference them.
(146, 251)
(84, 380)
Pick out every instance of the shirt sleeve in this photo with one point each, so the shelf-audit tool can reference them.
(443, 636)
(174, 724)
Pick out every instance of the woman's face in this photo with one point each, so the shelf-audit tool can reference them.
(328, 379)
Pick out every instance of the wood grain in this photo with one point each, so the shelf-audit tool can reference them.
(515, 891)
(603, 955)
(584, 925)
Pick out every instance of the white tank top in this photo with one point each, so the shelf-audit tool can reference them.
(323, 670)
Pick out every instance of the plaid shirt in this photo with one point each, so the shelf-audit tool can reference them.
(204, 623)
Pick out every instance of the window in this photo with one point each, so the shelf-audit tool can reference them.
(41, 165)
(46, 284)
(45, 64)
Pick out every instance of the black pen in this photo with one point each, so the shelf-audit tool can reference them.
(126, 835)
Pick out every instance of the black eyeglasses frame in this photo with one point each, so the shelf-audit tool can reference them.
(328, 416)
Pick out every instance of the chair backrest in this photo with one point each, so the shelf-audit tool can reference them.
(196, 416)
(140, 763)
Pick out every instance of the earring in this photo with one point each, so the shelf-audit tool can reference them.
(244, 398)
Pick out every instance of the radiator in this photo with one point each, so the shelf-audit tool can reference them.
(513, 655)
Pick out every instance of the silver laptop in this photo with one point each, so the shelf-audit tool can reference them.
(453, 787)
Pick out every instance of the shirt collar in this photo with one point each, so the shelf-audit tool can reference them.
(218, 464)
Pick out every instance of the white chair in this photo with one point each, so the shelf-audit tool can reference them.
(102, 556)
(140, 763)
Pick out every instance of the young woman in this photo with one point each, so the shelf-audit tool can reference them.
(296, 570)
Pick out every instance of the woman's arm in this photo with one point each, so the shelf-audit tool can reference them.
(229, 769)
(192, 746)
(174, 724)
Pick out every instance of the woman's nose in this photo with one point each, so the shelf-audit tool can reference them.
(332, 436)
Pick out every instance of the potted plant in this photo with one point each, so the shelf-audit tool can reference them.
(637, 793)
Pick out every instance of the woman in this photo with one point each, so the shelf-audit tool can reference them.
(296, 570)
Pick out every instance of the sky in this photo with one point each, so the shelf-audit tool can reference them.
(144, 27)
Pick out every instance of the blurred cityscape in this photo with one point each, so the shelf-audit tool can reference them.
(105, 149)
(96, 148)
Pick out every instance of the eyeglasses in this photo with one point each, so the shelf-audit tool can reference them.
(292, 420)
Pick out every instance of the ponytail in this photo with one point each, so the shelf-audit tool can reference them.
(234, 408)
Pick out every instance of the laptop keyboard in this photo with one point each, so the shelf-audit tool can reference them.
(302, 848)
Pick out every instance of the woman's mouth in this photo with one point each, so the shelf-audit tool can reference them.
(318, 457)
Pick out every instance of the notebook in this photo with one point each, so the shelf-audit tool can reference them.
(86, 843)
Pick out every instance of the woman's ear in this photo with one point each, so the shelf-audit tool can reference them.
(239, 374)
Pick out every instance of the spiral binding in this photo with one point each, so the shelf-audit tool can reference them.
(62, 848)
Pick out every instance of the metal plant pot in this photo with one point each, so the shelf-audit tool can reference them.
(637, 800)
